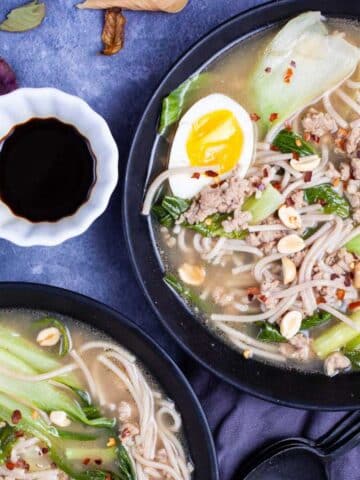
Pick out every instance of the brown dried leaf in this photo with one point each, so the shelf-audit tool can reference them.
(170, 6)
(114, 31)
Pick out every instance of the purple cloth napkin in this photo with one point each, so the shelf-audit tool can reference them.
(241, 424)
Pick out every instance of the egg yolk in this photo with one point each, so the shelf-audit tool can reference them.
(215, 139)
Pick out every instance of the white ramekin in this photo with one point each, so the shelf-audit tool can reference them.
(26, 103)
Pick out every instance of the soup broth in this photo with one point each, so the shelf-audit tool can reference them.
(261, 253)
(77, 405)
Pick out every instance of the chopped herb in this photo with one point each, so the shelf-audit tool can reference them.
(269, 333)
(329, 198)
(174, 104)
(290, 142)
(309, 232)
(7, 440)
(212, 227)
(315, 320)
(169, 209)
(185, 292)
(65, 343)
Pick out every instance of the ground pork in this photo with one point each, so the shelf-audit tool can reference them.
(221, 297)
(239, 221)
(355, 168)
(341, 261)
(331, 171)
(352, 141)
(297, 199)
(224, 198)
(267, 287)
(335, 363)
(266, 240)
(352, 192)
(318, 123)
(344, 171)
(298, 257)
(298, 348)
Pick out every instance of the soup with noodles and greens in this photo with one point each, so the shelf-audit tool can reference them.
(74, 404)
(258, 217)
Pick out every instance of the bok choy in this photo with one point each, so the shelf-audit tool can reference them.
(301, 63)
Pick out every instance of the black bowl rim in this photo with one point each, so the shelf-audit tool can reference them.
(117, 326)
(291, 388)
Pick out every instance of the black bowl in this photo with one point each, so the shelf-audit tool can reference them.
(51, 299)
(293, 387)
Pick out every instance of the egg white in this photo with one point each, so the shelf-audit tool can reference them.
(183, 185)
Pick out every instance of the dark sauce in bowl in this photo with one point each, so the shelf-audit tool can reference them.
(47, 170)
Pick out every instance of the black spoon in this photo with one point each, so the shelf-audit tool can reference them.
(301, 458)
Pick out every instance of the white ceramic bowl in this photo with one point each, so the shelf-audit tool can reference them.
(26, 103)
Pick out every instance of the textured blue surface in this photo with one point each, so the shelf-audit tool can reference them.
(63, 53)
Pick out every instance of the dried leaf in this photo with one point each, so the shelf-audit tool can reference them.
(8, 81)
(24, 18)
(170, 6)
(114, 31)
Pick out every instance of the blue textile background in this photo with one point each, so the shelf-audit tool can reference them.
(63, 53)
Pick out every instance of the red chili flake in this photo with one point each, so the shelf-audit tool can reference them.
(354, 305)
(98, 461)
(334, 276)
(274, 148)
(265, 172)
(262, 298)
(288, 127)
(195, 175)
(288, 75)
(347, 280)
(125, 433)
(10, 465)
(19, 434)
(108, 477)
(253, 290)
(293, 63)
(315, 138)
(16, 417)
(340, 294)
(358, 153)
(322, 202)
(273, 116)
(254, 117)
(289, 202)
(22, 464)
(276, 185)
(307, 176)
(45, 450)
(296, 156)
(268, 69)
(215, 185)
(86, 461)
(211, 173)
(251, 297)
(320, 299)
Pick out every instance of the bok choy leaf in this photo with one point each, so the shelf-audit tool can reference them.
(174, 104)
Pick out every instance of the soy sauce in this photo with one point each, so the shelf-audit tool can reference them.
(47, 170)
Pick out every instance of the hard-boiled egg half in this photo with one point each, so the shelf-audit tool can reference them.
(215, 131)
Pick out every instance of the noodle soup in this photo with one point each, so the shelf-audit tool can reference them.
(74, 404)
(256, 214)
